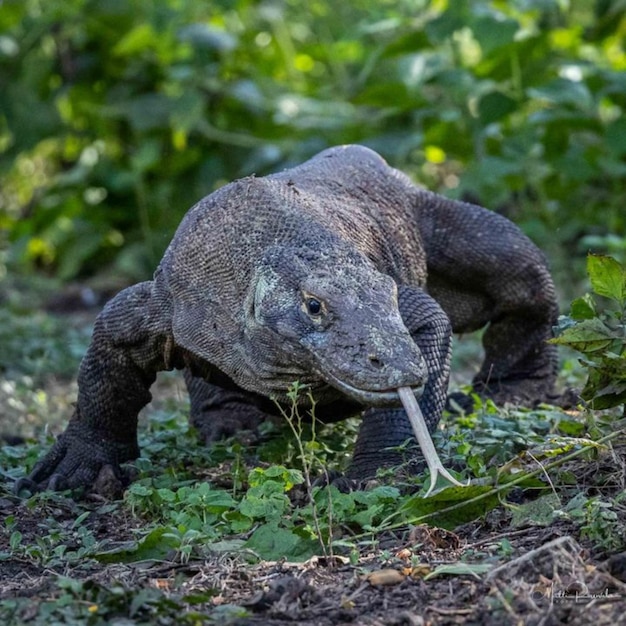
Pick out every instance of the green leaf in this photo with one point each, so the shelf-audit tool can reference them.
(616, 136)
(166, 495)
(564, 92)
(442, 27)
(494, 106)
(226, 545)
(493, 32)
(205, 36)
(539, 512)
(606, 384)
(588, 336)
(460, 569)
(608, 277)
(154, 546)
(571, 427)
(135, 41)
(15, 540)
(271, 543)
(452, 506)
(583, 308)
(287, 478)
(200, 597)
(140, 490)
(607, 397)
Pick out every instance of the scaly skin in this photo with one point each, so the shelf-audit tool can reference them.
(340, 274)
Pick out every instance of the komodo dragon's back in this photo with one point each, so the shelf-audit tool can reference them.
(344, 197)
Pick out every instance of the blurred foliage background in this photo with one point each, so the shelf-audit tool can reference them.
(117, 115)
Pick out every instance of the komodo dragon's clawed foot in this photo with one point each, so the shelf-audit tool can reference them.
(336, 479)
(81, 460)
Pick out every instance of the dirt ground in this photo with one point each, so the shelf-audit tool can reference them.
(549, 576)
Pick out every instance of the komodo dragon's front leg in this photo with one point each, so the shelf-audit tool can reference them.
(129, 346)
(382, 430)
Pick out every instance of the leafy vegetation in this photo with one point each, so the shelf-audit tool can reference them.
(190, 502)
(118, 116)
(600, 333)
(189, 516)
(89, 602)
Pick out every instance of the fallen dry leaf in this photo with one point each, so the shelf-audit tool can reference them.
(384, 577)
(404, 554)
(420, 570)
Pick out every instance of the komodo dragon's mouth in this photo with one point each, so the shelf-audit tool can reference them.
(405, 396)
(369, 397)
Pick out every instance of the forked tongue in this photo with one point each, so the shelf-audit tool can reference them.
(420, 429)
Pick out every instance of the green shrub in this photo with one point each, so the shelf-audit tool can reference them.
(117, 115)
(600, 333)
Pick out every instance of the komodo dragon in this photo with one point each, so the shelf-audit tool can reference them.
(340, 274)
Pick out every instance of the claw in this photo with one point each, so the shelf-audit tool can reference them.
(57, 482)
(79, 462)
(25, 484)
(422, 435)
(109, 484)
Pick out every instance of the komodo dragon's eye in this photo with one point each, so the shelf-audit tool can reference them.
(313, 306)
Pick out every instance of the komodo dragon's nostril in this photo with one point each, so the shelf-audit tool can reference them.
(375, 361)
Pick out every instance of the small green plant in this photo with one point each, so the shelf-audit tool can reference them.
(89, 602)
(306, 453)
(493, 437)
(600, 333)
(59, 544)
(598, 520)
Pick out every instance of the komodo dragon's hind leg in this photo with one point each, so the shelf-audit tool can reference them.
(218, 413)
(485, 272)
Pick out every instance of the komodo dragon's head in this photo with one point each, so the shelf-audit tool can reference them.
(335, 317)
